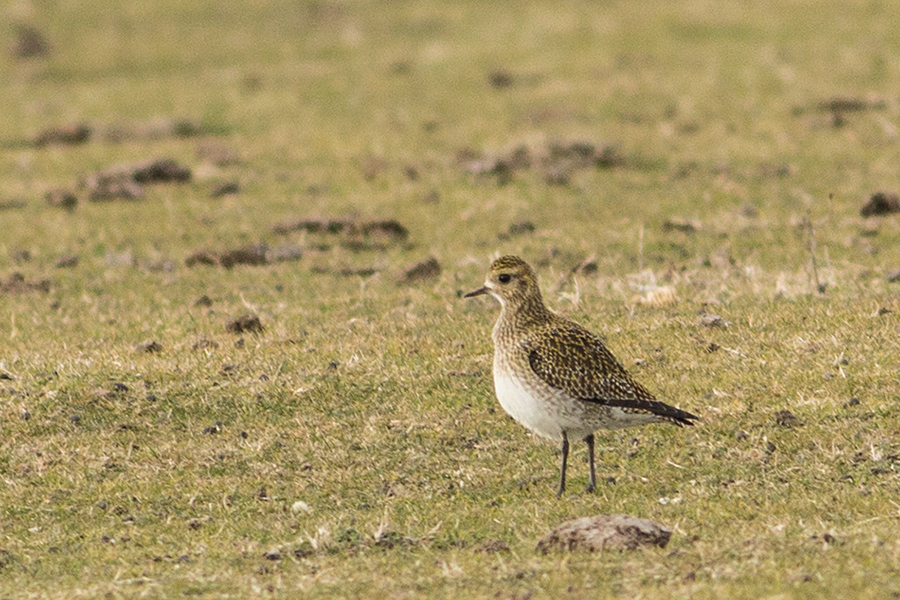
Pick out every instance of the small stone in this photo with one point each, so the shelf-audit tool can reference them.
(604, 532)
(711, 321)
(75, 419)
(851, 402)
(272, 555)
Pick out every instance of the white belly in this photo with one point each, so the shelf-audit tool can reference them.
(538, 416)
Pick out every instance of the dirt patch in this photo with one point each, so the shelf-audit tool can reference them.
(836, 109)
(154, 129)
(517, 229)
(62, 198)
(372, 166)
(244, 324)
(72, 134)
(67, 262)
(17, 284)
(203, 301)
(849, 104)
(604, 532)
(148, 347)
(356, 235)
(217, 153)
(500, 79)
(256, 254)
(248, 255)
(14, 204)
(162, 170)
(681, 224)
(388, 227)
(429, 268)
(229, 188)
(557, 162)
(128, 182)
(63, 135)
(492, 547)
(345, 271)
(205, 344)
(881, 203)
(30, 43)
(786, 418)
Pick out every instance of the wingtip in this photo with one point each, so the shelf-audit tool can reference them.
(685, 419)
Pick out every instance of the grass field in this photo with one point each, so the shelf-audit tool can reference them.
(654, 161)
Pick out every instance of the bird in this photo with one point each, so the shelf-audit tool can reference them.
(554, 376)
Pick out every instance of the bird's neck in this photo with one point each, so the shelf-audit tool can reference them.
(521, 316)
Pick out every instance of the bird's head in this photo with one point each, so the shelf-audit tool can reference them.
(511, 281)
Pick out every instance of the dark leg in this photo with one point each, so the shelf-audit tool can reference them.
(592, 482)
(562, 471)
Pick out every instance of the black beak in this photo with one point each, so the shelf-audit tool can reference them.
(478, 292)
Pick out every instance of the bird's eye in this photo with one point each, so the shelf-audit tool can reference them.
(503, 277)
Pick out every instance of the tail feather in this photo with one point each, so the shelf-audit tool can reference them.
(661, 409)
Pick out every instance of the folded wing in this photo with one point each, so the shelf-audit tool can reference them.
(592, 373)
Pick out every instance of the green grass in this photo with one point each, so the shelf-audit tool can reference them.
(354, 448)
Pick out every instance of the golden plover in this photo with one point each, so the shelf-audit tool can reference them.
(557, 378)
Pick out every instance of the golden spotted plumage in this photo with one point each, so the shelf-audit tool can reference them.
(555, 377)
